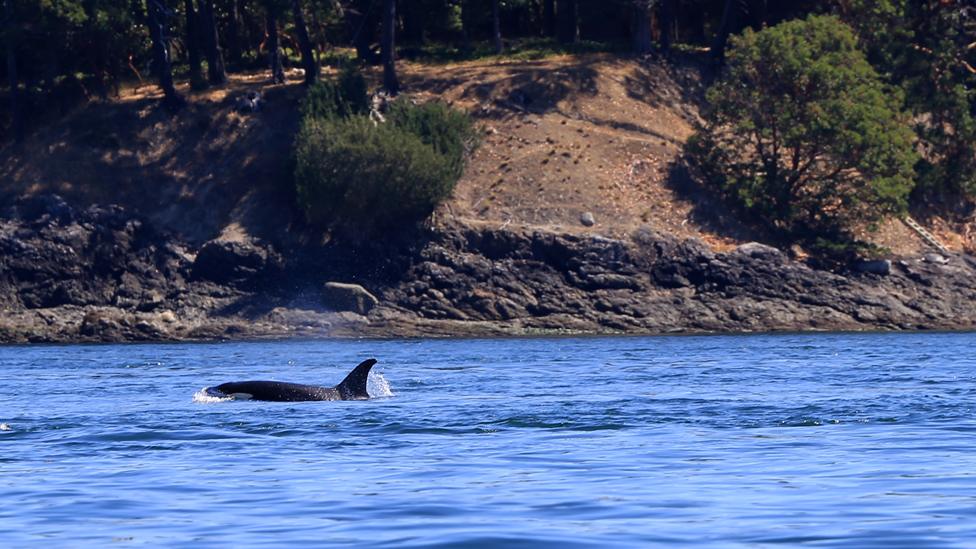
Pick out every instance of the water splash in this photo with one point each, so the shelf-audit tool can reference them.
(377, 386)
(202, 396)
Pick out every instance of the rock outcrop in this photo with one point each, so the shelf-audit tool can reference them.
(103, 274)
(653, 283)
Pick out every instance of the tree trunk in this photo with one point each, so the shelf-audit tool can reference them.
(16, 116)
(568, 30)
(466, 25)
(316, 36)
(233, 37)
(666, 15)
(215, 59)
(160, 47)
(641, 28)
(695, 23)
(274, 51)
(197, 82)
(97, 53)
(361, 31)
(549, 18)
(308, 57)
(388, 48)
(414, 16)
(730, 14)
(496, 22)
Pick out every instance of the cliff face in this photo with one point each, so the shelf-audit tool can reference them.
(653, 283)
(103, 274)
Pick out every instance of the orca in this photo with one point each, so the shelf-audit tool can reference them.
(351, 388)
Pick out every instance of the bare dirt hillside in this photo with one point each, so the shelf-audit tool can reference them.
(562, 137)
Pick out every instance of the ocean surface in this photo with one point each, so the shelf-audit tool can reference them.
(824, 440)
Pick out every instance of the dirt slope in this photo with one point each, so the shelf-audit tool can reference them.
(562, 136)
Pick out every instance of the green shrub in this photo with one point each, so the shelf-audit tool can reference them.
(365, 178)
(448, 131)
(803, 134)
(343, 97)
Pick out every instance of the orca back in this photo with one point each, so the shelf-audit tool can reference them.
(353, 387)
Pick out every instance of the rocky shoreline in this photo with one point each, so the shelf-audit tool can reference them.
(102, 274)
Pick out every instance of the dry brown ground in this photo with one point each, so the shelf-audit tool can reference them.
(562, 136)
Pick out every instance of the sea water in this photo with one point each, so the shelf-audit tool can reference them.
(827, 440)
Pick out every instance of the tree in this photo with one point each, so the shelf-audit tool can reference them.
(941, 83)
(156, 21)
(642, 26)
(730, 21)
(567, 31)
(549, 17)
(496, 27)
(927, 48)
(388, 48)
(802, 132)
(274, 50)
(197, 82)
(666, 17)
(233, 35)
(216, 73)
(308, 58)
(10, 28)
(361, 26)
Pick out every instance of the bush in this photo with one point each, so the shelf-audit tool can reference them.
(343, 97)
(803, 134)
(448, 131)
(367, 178)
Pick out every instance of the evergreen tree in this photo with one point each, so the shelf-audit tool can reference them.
(803, 133)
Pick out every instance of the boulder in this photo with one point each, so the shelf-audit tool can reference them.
(878, 266)
(587, 219)
(756, 250)
(341, 296)
(45, 207)
(233, 262)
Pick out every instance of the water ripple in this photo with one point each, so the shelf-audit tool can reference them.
(831, 440)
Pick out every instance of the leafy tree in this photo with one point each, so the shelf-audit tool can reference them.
(802, 132)
(926, 47)
(940, 79)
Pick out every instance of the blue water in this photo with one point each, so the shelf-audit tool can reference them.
(740, 441)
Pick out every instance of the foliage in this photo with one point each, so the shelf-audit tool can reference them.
(940, 79)
(367, 178)
(448, 131)
(925, 47)
(343, 97)
(802, 132)
(519, 49)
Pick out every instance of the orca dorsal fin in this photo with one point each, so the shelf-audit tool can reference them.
(354, 386)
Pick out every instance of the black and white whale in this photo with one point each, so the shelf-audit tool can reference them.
(351, 388)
